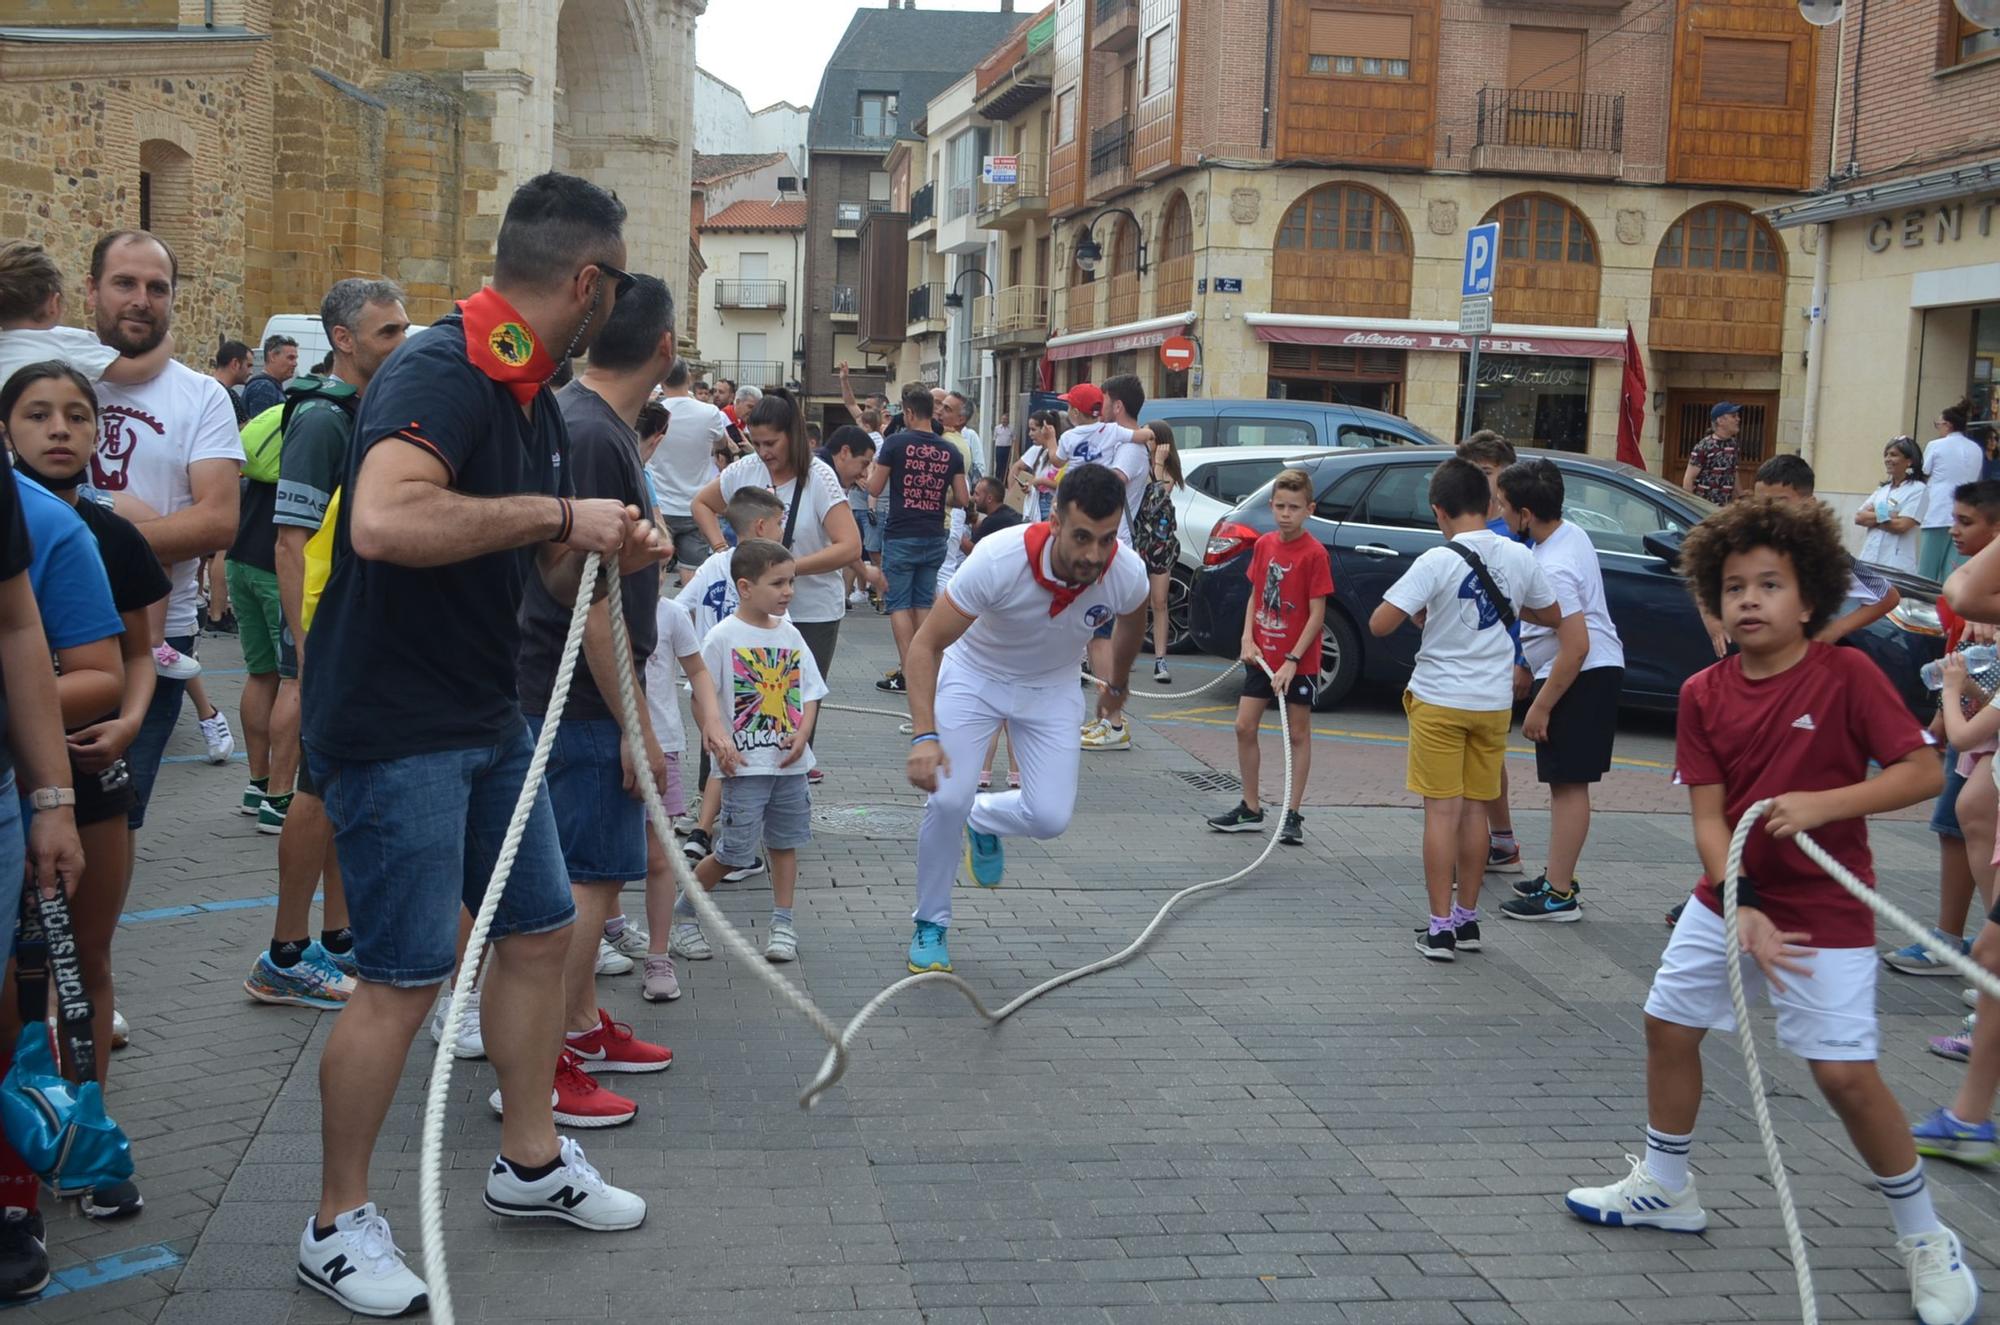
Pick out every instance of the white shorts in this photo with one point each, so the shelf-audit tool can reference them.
(1827, 1016)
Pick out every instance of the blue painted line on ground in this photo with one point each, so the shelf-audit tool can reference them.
(105, 1270)
(224, 671)
(238, 758)
(198, 908)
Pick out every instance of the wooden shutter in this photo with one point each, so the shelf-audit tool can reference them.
(1746, 70)
(1345, 32)
(1545, 59)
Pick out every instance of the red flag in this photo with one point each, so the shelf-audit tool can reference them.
(1632, 403)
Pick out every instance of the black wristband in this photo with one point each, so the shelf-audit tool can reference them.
(1746, 892)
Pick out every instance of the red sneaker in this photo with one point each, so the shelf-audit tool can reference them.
(612, 1047)
(579, 1101)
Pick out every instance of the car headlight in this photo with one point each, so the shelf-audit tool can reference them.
(1918, 617)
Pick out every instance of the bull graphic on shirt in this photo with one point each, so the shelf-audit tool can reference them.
(1271, 599)
(124, 429)
(764, 688)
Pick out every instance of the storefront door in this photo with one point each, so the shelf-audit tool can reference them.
(1336, 374)
(1686, 422)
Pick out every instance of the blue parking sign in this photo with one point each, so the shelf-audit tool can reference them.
(1482, 252)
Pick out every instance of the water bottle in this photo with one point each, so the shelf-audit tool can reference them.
(1979, 658)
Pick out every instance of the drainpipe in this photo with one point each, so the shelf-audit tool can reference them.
(1815, 340)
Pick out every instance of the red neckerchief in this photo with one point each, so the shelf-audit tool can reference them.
(1061, 594)
(500, 344)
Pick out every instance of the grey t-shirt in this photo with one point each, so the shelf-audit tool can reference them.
(604, 462)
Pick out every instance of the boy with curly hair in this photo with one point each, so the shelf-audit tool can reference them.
(1798, 721)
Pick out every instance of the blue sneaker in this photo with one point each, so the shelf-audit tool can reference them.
(984, 861)
(927, 949)
(310, 984)
(1916, 959)
(342, 962)
(1944, 1137)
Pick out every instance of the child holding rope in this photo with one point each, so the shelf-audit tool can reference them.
(1795, 720)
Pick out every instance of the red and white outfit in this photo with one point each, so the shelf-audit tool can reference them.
(1017, 665)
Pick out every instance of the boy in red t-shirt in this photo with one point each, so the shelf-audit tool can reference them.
(1798, 721)
(1290, 580)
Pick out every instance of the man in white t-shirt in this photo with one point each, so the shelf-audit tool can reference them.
(1578, 671)
(1000, 646)
(170, 443)
(684, 463)
(1950, 459)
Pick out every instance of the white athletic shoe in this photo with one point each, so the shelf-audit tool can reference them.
(632, 941)
(216, 735)
(1101, 735)
(360, 1266)
(574, 1192)
(1639, 1202)
(470, 1043)
(1942, 1288)
(610, 961)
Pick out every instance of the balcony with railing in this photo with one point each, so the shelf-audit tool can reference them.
(876, 127)
(750, 295)
(1114, 25)
(1110, 156)
(845, 307)
(1560, 133)
(923, 205)
(1017, 315)
(1028, 196)
(759, 373)
(847, 219)
(926, 309)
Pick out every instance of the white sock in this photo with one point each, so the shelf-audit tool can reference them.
(1667, 1158)
(1909, 1198)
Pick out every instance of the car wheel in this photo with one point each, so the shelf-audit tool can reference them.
(1180, 609)
(1339, 660)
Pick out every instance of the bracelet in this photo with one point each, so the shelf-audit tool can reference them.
(927, 736)
(1292, 658)
(568, 524)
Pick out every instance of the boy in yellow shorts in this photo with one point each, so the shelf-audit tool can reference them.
(1466, 597)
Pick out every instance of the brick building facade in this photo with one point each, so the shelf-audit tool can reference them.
(295, 142)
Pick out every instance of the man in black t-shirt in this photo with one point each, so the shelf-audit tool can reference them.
(603, 834)
(924, 476)
(989, 502)
(456, 495)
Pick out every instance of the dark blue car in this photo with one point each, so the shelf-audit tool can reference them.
(1372, 513)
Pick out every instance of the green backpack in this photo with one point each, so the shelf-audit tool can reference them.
(264, 435)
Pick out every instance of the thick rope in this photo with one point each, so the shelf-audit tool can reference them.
(1888, 911)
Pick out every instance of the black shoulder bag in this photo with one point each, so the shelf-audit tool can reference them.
(1499, 600)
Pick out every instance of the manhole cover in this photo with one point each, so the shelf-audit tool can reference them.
(1210, 781)
(885, 821)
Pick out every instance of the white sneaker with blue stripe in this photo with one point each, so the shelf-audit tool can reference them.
(1917, 959)
(1639, 1202)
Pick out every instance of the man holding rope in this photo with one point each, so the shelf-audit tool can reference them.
(456, 492)
(1000, 645)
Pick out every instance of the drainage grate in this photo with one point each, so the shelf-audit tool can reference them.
(1211, 781)
(897, 822)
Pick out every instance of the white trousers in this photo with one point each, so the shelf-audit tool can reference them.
(1042, 726)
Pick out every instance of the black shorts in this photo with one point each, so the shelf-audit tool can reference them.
(94, 802)
(1581, 728)
(305, 785)
(1257, 685)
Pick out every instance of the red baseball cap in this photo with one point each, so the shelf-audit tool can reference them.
(1085, 397)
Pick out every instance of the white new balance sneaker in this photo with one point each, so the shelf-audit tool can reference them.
(471, 1044)
(1942, 1288)
(1639, 1202)
(360, 1266)
(575, 1192)
(610, 961)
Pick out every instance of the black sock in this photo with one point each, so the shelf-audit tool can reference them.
(321, 1232)
(286, 953)
(337, 940)
(532, 1173)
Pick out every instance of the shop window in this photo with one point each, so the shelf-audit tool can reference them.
(1963, 41)
(1532, 400)
(1356, 44)
(1746, 71)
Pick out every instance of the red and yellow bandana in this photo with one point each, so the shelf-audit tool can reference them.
(1062, 594)
(499, 343)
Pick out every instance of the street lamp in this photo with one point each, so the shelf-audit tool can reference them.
(1089, 253)
(954, 300)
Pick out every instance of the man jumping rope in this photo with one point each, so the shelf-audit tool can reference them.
(1001, 645)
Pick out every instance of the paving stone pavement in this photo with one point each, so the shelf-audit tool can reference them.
(1279, 1113)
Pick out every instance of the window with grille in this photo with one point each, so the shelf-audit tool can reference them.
(1343, 217)
(1534, 228)
(1721, 238)
(1358, 44)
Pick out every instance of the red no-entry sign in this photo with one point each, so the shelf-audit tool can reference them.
(1177, 353)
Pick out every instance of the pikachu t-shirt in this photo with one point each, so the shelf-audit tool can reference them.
(764, 677)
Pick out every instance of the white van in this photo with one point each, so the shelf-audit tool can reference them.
(305, 328)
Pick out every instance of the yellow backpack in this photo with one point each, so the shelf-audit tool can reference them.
(319, 561)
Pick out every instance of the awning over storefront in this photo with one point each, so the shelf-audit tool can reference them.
(1395, 333)
(1116, 340)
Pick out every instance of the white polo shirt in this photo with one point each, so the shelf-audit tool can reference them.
(1018, 633)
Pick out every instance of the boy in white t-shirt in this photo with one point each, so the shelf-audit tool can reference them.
(1461, 695)
(769, 685)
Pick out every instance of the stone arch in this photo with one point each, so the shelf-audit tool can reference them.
(603, 80)
(166, 196)
(1718, 283)
(1549, 272)
(1342, 250)
(1173, 270)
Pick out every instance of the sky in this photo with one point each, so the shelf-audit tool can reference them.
(775, 50)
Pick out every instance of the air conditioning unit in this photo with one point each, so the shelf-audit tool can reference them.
(788, 184)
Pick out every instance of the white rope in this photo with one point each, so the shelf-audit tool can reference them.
(1888, 911)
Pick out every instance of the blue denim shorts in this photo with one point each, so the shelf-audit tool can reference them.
(762, 810)
(871, 531)
(13, 863)
(417, 839)
(602, 830)
(1944, 815)
(155, 729)
(911, 566)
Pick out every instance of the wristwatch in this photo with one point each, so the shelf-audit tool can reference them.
(51, 798)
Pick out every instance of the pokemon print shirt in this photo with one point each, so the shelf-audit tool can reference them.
(764, 678)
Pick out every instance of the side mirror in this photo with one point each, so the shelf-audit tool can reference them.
(1666, 545)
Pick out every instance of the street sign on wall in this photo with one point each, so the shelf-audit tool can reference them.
(1482, 253)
